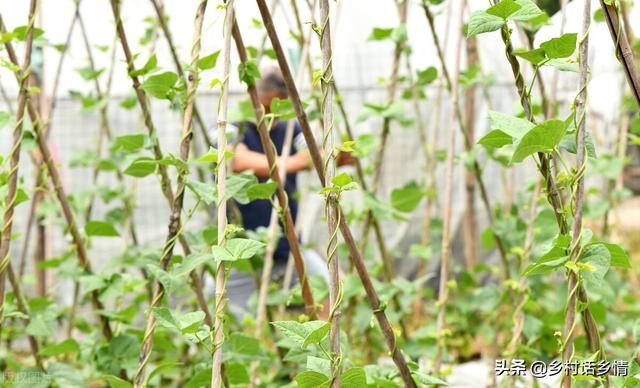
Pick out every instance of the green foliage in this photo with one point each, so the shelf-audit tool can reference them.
(282, 109)
(504, 9)
(149, 66)
(87, 73)
(212, 156)
(5, 119)
(128, 143)
(237, 249)
(496, 139)
(187, 323)
(552, 51)
(261, 191)
(312, 379)
(68, 346)
(141, 167)
(20, 33)
(209, 61)
(297, 352)
(248, 72)
(205, 192)
(303, 334)
(395, 34)
(495, 17)
(407, 198)
(426, 76)
(100, 228)
(541, 138)
(553, 259)
(561, 47)
(161, 85)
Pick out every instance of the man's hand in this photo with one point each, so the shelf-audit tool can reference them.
(298, 162)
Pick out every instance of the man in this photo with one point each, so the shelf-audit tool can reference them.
(249, 156)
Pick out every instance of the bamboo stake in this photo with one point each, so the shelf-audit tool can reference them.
(468, 143)
(12, 184)
(387, 264)
(40, 180)
(431, 164)
(331, 198)
(105, 132)
(273, 222)
(288, 274)
(175, 224)
(554, 80)
(448, 196)
(164, 176)
(37, 78)
(623, 48)
(386, 129)
(621, 151)
(267, 267)
(146, 112)
(429, 167)
(470, 225)
(162, 20)
(221, 278)
(384, 254)
(105, 128)
(289, 227)
(359, 264)
(576, 249)
(61, 195)
(628, 29)
(263, 38)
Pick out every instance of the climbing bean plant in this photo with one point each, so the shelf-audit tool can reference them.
(551, 281)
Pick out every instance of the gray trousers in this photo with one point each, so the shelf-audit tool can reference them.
(242, 285)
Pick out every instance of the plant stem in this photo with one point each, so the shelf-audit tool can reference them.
(218, 326)
(448, 197)
(581, 113)
(359, 263)
(12, 184)
(175, 224)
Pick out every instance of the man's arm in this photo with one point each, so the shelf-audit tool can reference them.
(245, 159)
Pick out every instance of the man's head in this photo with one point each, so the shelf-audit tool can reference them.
(271, 86)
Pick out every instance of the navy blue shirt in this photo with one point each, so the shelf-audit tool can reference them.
(258, 213)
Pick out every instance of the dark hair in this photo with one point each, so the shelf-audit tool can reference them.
(272, 81)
